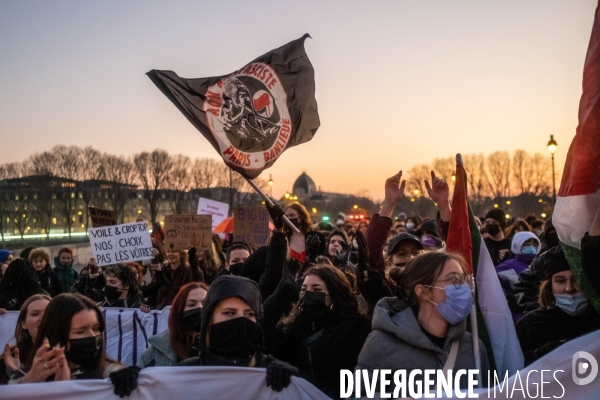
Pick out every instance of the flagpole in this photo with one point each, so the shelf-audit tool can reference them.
(475, 333)
(270, 203)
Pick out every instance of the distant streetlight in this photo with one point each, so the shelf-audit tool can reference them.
(287, 195)
(416, 192)
(552, 145)
(356, 207)
(453, 177)
(270, 186)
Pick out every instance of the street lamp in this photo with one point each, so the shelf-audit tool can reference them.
(453, 177)
(270, 186)
(552, 145)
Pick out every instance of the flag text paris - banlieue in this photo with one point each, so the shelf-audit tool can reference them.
(253, 114)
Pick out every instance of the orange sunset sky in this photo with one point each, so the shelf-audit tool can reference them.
(398, 83)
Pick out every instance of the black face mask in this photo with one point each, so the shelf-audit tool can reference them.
(84, 351)
(112, 293)
(295, 222)
(193, 319)
(236, 269)
(313, 305)
(235, 338)
(492, 229)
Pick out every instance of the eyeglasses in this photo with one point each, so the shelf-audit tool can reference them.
(458, 280)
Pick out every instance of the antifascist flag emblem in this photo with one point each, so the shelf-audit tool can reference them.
(251, 115)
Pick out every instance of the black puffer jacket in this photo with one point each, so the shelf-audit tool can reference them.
(49, 281)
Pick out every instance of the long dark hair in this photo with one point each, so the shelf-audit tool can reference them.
(180, 336)
(56, 325)
(305, 224)
(343, 295)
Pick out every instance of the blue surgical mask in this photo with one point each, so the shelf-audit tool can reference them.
(458, 303)
(529, 250)
(572, 304)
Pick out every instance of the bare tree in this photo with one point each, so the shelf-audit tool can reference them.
(444, 167)
(477, 179)
(415, 179)
(120, 173)
(498, 166)
(208, 173)
(180, 181)
(92, 169)
(153, 170)
(540, 175)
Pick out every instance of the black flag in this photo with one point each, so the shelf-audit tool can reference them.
(251, 115)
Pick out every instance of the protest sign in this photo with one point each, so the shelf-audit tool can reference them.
(251, 225)
(217, 209)
(185, 230)
(101, 217)
(121, 243)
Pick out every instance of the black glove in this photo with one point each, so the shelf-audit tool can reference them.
(363, 252)
(279, 374)
(276, 214)
(547, 348)
(288, 288)
(192, 254)
(313, 245)
(341, 258)
(125, 380)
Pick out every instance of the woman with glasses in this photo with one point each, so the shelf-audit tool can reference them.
(425, 326)
(324, 331)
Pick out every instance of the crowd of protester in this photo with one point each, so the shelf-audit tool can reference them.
(380, 293)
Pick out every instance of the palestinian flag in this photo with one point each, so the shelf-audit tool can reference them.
(254, 114)
(579, 194)
(495, 325)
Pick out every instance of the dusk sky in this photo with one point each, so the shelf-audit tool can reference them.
(398, 83)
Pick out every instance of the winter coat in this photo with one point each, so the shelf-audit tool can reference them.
(160, 352)
(543, 330)
(398, 342)
(508, 271)
(67, 276)
(166, 283)
(134, 300)
(49, 281)
(90, 286)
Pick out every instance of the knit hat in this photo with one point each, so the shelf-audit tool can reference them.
(4, 255)
(555, 262)
(497, 214)
(429, 226)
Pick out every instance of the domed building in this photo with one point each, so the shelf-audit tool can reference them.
(322, 203)
(304, 185)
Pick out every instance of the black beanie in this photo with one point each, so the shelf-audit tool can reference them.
(555, 261)
(497, 214)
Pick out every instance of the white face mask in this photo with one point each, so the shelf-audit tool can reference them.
(410, 225)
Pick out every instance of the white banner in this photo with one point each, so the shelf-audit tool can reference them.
(126, 335)
(215, 383)
(218, 210)
(121, 243)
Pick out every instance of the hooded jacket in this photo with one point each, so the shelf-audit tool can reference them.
(398, 342)
(49, 281)
(67, 276)
(508, 271)
(224, 287)
(160, 352)
(20, 282)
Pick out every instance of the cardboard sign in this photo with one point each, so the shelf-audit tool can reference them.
(101, 217)
(251, 225)
(121, 243)
(185, 230)
(217, 209)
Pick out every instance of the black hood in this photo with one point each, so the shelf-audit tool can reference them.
(229, 286)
